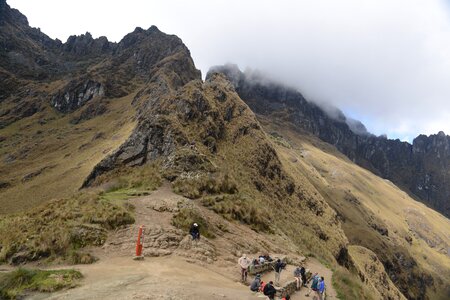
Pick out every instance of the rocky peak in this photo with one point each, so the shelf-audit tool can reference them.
(84, 45)
(437, 143)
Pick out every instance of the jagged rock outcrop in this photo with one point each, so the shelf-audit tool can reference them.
(421, 168)
(86, 45)
(76, 94)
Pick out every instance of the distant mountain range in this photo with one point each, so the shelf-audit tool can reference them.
(422, 169)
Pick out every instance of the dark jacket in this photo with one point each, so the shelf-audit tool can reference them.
(194, 230)
(269, 290)
(279, 266)
(302, 271)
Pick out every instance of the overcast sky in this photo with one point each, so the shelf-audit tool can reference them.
(384, 62)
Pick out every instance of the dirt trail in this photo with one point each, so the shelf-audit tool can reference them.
(174, 266)
(154, 278)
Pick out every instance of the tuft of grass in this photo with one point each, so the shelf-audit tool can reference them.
(58, 228)
(236, 207)
(189, 215)
(14, 284)
(210, 184)
(143, 178)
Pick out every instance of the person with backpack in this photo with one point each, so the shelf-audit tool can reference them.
(287, 298)
(194, 232)
(279, 266)
(321, 288)
(270, 291)
(315, 282)
(256, 283)
(303, 275)
(244, 263)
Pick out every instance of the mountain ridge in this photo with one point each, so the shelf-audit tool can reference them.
(428, 157)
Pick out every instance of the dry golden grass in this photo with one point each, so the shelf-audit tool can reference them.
(349, 286)
(59, 229)
(63, 153)
(373, 274)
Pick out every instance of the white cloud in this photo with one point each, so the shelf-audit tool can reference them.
(386, 62)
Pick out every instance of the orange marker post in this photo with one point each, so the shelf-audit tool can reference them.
(140, 241)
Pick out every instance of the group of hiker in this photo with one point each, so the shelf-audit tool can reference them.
(268, 289)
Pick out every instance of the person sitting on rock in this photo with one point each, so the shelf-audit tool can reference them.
(261, 259)
(256, 283)
(270, 291)
(297, 277)
(194, 232)
(244, 263)
(303, 275)
(262, 286)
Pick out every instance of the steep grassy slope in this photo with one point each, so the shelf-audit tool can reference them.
(47, 157)
(410, 239)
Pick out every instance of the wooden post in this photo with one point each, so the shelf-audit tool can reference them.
(140, 241)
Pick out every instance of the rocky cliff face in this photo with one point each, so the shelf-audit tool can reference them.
(422, 168)
(83, 69)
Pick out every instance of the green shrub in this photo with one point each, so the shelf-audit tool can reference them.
(15, 283)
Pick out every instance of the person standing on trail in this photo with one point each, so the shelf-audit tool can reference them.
(194, 232)
(270, 291)
(321, 288)
(244, 262)
(256, 283)
(315, 282)
(279, 265)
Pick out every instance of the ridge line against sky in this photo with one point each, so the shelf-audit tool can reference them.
(385, 63)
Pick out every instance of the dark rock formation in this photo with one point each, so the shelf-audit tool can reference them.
(85, 45)
(422, 169)
(76, 94)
